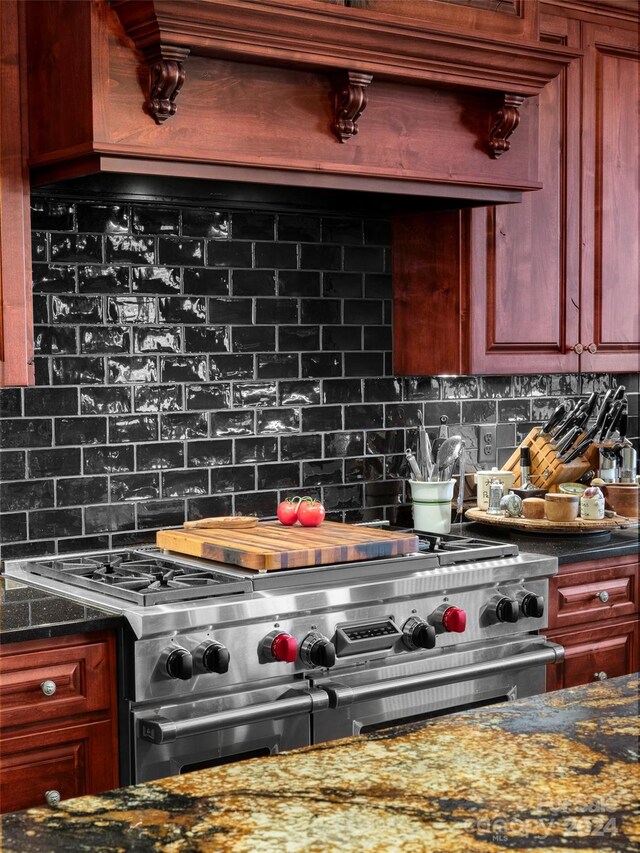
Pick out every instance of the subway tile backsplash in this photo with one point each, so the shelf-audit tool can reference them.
(195, 361)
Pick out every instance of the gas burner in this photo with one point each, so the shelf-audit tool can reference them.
(450, 548)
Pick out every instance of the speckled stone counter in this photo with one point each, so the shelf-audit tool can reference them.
(27, 613)
(553, 772)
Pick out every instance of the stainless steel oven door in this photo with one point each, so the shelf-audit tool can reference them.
(185, 736)
(383, 695)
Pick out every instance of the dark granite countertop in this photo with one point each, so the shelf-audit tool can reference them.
(27, 613)
(568, 549)
(553, 772)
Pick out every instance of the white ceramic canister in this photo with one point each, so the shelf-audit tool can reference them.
(432, 505)
(484, 478)
(592, 508)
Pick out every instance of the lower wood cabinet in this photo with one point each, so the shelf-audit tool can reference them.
(58, 719)
(593, 613)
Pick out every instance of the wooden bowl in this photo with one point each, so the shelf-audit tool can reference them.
(558, 507)
(623, 498)
(533, 507)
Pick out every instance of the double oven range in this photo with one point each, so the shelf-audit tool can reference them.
(220, 663)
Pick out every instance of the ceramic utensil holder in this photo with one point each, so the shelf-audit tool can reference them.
(432, 505)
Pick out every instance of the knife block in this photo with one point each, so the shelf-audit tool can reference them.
(546, 468)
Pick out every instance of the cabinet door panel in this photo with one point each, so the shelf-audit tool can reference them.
(577, 597)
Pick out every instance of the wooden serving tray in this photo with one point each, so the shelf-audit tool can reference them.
(270, 545)
(542, 525)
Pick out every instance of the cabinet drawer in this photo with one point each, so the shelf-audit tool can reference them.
(593, 595)
(73, 761)
(603, 651)
(77, 675)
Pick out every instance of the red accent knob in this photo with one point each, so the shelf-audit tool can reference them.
(454, 619)
(285, 648)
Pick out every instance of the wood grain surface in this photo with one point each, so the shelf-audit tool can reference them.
(543, 525)
(271, 546)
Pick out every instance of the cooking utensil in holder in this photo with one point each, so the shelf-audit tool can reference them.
(546, 468)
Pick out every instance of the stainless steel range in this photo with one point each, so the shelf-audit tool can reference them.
(221, 663)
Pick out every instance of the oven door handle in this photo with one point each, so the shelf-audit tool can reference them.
(159, 729)
(341, 695)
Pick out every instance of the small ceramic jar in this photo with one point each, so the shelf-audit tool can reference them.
(592, 508)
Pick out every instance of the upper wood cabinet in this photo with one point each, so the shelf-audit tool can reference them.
(549, 285)
(16, 338)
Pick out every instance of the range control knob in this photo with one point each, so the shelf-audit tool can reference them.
(507, 609)
(454, 619)
(178, 663)
(280, 646)
(418, 634)
(317, 650)
(212, 656)
(532, 605)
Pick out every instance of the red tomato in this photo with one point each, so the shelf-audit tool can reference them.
(287, 512)
(310, 513)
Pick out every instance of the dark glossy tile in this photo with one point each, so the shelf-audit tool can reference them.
(233, 478)
(83, 543)
(298, 228)
(254, 283)
(207, 453)
(363, 417)
(107, 459)
(137, 250)
(104, 339)
(42, 371)
(161, 513)
(377, 231)
(347, 231)
(105, 400)
(180, 484)
(403, 415)
(322, 472)
(133, 428)
(277, 311)
(183, 251)
(75, 371)
(180, 426)
(39, 246)
(494, 387)
(32, 494)
(131, 538)
(342, 338)
(133, 310)
(25, 432)
(51, 215)
(342, 284)
(12, 465)
(530, 386)
(157, 339)
(158, 398)
(363, 468)
(232, 423)
(254, 394)
(320, 310)
(298, 338)
(364, 364)
(202, 222)
(299, 447)
(49, 340)
(385, 441)
(155, 220)
(103, 218)
(80, 491)
(123, 369)
(450, 409)
(542, 408)
(421, 388)
(207, 339)
(27, 549)
(277, 365)
(298, 283)
(76, 309)
(232, 367)
(253, 225)
(209, 507)
(363, 311)
(377, 338)
(283, 256)
(55, 523)
(478, 412)
(230, 253)
(11, 403)
(53, 278)
(254, 449)
(280, 475)
(183, 369)
(378, 286)
(342, 391)
(253, 338)
(342, 497)
(514, 410)
(109, 519)
(206, 282)
(216, 396)
(523, 428)
(155, 279)
(261, 504)
(81, 430)
(380, 494)
(103, 279)
(304, 392)
(321, 418)
(13, 528)
(135, 487)
(156, 456)
(364, 259)
(382, 390)
(76, 248)
(320, 364)
(229, 310)
(320, 257)
(272, 421)
(564, 383)
(600, 383)
(343, 444)
(40, 309)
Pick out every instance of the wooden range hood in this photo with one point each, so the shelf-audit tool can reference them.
(289, 92)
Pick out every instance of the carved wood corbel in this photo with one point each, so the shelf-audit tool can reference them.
(166, 77)
(505, 121)
(350, 99)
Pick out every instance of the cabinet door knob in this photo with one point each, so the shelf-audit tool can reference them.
(600, 676)
(603, 596)
(592, 348)
(578, 349)
(52, 798)
(48, 687)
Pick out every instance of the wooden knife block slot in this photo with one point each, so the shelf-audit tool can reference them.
(546, 468)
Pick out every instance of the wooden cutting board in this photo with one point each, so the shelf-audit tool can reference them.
(543, 525)
(270, 545)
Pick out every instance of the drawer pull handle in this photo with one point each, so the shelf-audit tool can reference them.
(48, 687)
(52, 798)
(600, 676)
(603, 596)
